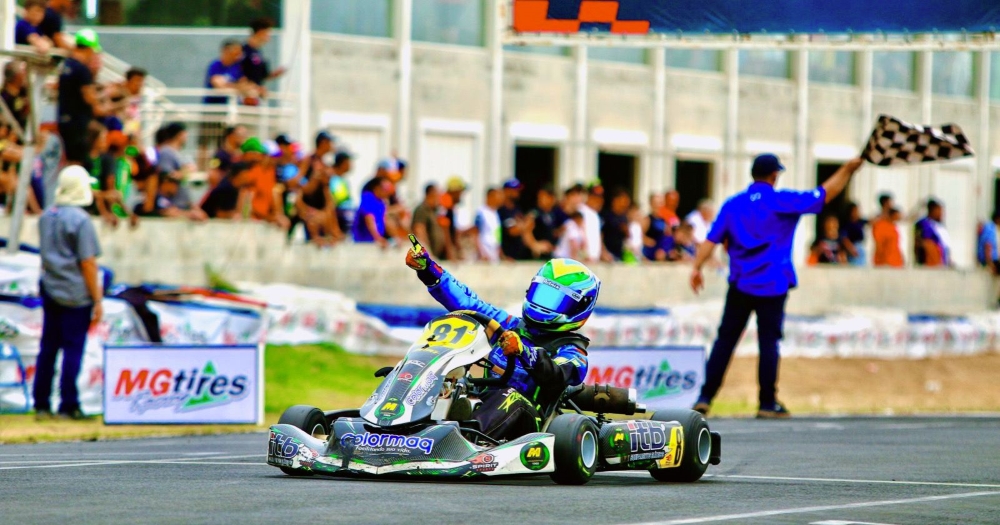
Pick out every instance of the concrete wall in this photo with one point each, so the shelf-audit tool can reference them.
(175, 252)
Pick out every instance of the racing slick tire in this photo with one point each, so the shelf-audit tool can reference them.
(575, 451)
(697, 446)
(310, 420)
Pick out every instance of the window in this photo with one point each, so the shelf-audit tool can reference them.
(353, 17)
(700, 59)
(628, 55)
(952, 73)
(832, 67)
(893, 70)
(538, 50)
(449, 21)
(764, 63)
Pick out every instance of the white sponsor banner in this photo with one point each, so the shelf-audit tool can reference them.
(183, 384)
(664, 377)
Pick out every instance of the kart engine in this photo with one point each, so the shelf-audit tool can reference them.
(607, 399)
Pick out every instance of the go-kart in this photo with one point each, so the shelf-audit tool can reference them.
(418, 422)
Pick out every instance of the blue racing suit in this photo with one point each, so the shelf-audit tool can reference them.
(548, 364)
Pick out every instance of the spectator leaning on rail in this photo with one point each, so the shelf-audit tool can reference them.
(448, 217)
(932, 245)
(27, 32)
(125, 100)
(340, 190)
(701, 219)
(885, 234)
(489, 227)
(78, 100)
(369, 223)
(51, 26)
(70, 288)
(758, 226)
(425, 223)
(852, 235)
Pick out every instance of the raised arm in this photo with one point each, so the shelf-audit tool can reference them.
(838, 181)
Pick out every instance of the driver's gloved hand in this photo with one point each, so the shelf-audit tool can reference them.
(428, 271)
(510, 343)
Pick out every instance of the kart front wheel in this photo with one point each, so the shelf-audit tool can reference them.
(696, 449)
(310, 420)
(575, 449)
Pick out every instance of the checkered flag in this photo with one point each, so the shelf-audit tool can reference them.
(894, 142)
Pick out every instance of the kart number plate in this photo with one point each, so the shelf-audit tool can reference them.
(449, 332)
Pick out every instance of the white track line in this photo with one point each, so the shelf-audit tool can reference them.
(175, 461)
(875, 481)
(822, 508)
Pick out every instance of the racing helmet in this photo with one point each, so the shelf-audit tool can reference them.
(560, 297)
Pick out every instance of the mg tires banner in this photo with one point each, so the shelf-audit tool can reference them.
(664, 377)
(183, 384)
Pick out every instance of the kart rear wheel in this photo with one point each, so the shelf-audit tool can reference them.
(697, 448)
(575, 451)
(310, 420)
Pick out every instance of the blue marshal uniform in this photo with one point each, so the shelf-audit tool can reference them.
(757, 226)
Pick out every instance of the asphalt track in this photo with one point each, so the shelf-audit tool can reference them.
(802, 471)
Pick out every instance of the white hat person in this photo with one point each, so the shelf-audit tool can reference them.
(73, 187)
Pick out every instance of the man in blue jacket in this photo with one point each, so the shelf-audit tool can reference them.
(757, 227)
(542, 343)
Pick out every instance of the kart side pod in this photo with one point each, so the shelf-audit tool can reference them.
(607, 399)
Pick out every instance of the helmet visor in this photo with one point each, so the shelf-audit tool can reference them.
(554, 297)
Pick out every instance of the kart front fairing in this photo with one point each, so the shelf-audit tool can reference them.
(436, 450)
(420, 387)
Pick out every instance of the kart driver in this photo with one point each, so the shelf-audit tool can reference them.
(543, 345)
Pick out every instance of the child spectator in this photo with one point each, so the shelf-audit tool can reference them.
(27, 32)
(885, 233)
(489, 228)
(988, 245)
(668, 212)
(340, 190)
(634, 240)
(314, 205)
(655, 238)
(829, 249)
(931, 239)
(265, 201)
(852, 235)
(573, 242)
(684, 245)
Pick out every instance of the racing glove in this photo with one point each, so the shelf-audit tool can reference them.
(417, 258)
(510, 343)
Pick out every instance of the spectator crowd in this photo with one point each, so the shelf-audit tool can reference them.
(276, 180)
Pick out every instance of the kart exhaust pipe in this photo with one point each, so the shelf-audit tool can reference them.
(607, 399)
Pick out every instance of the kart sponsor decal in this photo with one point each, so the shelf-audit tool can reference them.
(510, 397)
(484, 462)
(405, 376)
(184, 390)
(619, 441)
(391, 409)
(282, 451)
(674, 449)
(387, 443)
(643, 456)
(419, 391)
(646, 436)
(534, 456)
(414, 363)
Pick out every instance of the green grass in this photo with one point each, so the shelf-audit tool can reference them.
(324, 376)
(321, 375)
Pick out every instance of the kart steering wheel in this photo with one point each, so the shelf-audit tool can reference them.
(493, 332)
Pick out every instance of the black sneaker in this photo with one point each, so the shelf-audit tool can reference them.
(75, 415)
(701, 407)
(776, 411)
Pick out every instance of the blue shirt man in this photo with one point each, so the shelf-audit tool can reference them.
(371, 214)
(987, 246)
(225, 72)
(758, 226)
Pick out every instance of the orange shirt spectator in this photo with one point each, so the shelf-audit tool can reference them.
(886, 237)
(265, 200)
